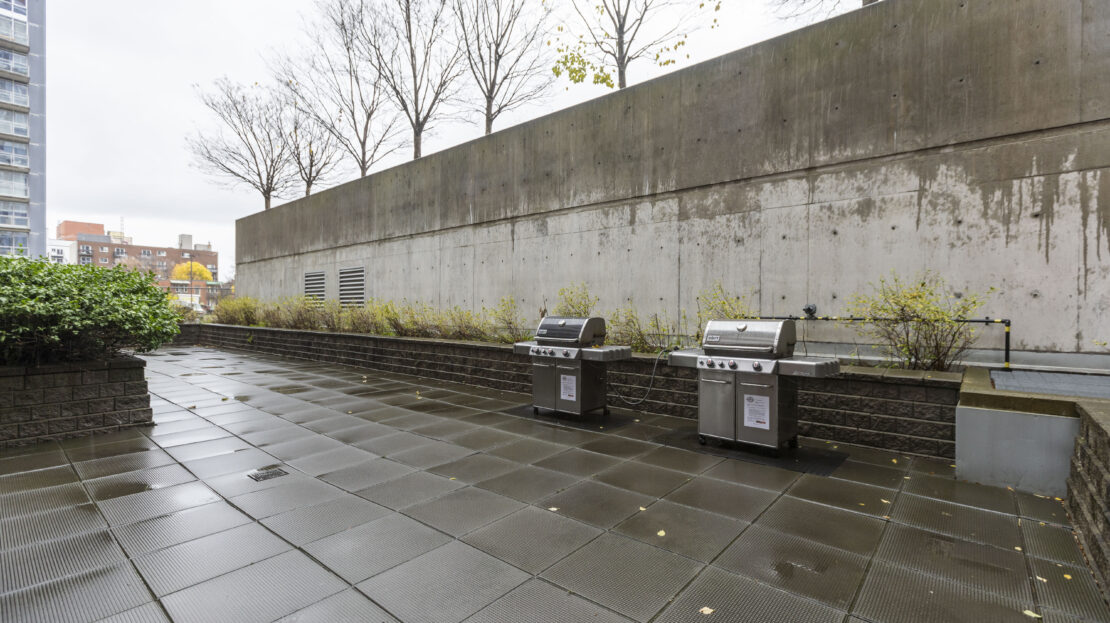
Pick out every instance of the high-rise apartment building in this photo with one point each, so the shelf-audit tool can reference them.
(22, 127)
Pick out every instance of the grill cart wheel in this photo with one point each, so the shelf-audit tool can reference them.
(535, 410)
(793, 443)
(702, 439)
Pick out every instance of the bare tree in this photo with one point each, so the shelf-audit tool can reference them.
(250, 146)
(816, 9)
(412, 46)
(502, 41)
(608, 35)
(339, 87)
(315, 152)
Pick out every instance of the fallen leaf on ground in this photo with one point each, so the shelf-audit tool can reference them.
(706, 610)
(1018, 548)
(661, 533)
(1030, 613)
(1067, 576)
(553, 508)
(1042, 579)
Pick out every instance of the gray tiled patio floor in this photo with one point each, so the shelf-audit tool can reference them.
(406, 499)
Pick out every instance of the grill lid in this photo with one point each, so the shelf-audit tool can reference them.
(562, 330)
(773, 339)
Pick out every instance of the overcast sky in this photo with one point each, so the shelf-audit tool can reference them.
(121, 99)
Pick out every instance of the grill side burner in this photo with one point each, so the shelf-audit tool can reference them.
(747, 385)
(568, 364)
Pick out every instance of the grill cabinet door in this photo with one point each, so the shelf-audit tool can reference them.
(757, 405)
(568, 387)
(544, 384)
(717, 404)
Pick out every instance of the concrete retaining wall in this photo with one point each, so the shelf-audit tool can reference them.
(971, 138)
(909, 412)
(71, 400)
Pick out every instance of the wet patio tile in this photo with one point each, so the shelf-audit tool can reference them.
(108, 466)
(311, 523)
(679, 460)
(738, 599)
(51, 524)
(830, 526)
(409, 489)
(618, 447)
(205, 449)
(140, 506)
(1042, 508)
(40, 500)
(641, 478)
(960, 521)
(752, 475)
(852, 496)
(388, 445)
(796, 565)
(260, 592)
(38, 479)
(528, 483)
(596, 504)
(366, 474)
(578, 462)
(724, 498)
(284, 497)
(898, 595)
(461, 511)
(446, 585)
(1055, 543)
(330, 460)
(146, 536)
(431, 454)
(866, 473)
(537, 601)
(373, 547)
(625, 575)
(1070, 590)
(691, 532)
(475, 468)
(47, 561)
(532, 539)
(994, 499)
(350, 605)
(87, 596)
(239, 461)
(128, 483)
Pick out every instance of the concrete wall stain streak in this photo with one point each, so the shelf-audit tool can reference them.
(967, 138)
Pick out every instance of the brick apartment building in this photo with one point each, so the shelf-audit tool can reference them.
(108, 248)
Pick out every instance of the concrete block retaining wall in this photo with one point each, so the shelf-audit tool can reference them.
(911, 412)
(1088, 498)
(71, 400)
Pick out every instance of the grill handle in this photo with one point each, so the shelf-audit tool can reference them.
(716, 381)
(542, 365)
(755, 385)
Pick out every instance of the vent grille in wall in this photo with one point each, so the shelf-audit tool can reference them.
(352, 286)
(314, 285)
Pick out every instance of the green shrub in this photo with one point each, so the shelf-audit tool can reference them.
(506, 323)
(715, 303)
(241, 310)
(646, 335)
(55, 312)
(915, 322)
(575, 300)
(185, 313)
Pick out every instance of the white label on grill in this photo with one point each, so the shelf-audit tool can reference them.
(568, 388)
(712, 338)
(757, 411)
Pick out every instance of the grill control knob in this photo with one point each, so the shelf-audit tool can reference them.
(757, 366)
(566, 353)
(732, 364)
(710, 363)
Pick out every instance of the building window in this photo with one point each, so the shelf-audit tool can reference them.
(14, 93)
(161, 254)
(14, 123)
(85, 260)
(145, 253)
(185, 255)
(13, 243)
(161, 264)
(14, 184)
(14, 154)
(120, 252)
(14, 62)
(15, 8)
(13, 214)
(103, 260)
(86, 249)
(13, 29)
(211, 267)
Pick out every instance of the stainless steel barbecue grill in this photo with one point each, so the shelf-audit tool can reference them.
(568, 364)
(747, 385)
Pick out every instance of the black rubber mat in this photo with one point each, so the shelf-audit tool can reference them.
(596, 504)
(625, 575)
(642, 478)
(529, 483)
(532, 539)
(719, 595)
(1069, 589)
(732, 500)
(537, 601)
(266, 591)
(691, 532)
(895, 595)
(594, 421)
(957, 520)
(446, 584)
(987, 568)
(797, 565)
(820, 461)
(464, 510)
(373, 547)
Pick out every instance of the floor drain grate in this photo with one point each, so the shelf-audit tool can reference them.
(267, 473)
